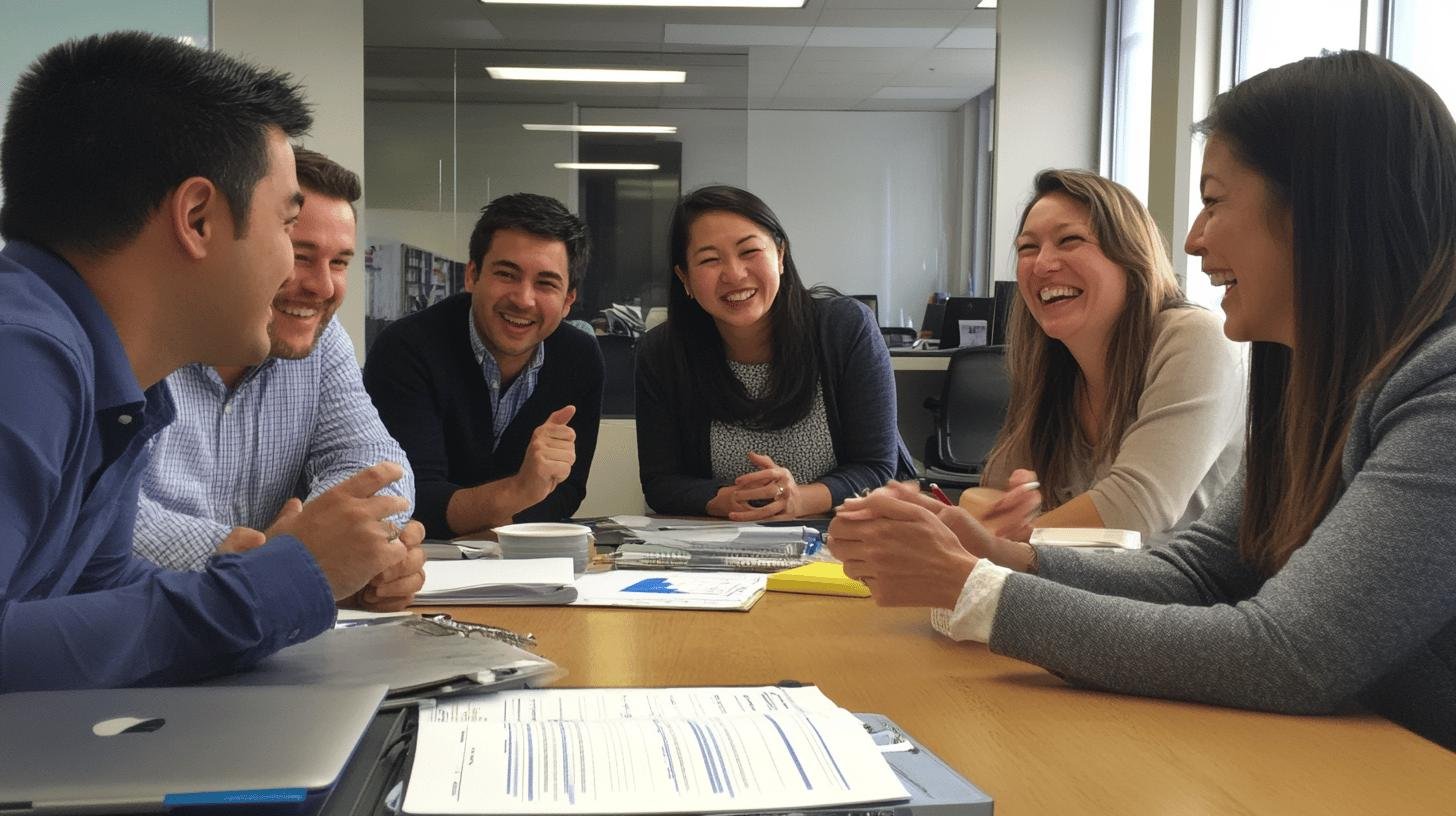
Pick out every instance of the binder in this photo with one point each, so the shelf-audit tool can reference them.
(373, 782)
(416, 657)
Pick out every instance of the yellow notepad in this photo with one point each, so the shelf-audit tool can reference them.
(818, 578)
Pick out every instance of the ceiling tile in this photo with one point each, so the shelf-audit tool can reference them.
(737, 35)
(867, 37)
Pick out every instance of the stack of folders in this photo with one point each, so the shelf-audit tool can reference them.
(727, 549)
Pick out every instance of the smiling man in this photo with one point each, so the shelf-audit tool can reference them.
(250, 442)
(495, 405)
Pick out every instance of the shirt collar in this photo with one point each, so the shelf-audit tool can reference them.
(487, 361)
(116, 383)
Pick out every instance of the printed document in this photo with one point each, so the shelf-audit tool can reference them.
(599, 751)
(668, 589)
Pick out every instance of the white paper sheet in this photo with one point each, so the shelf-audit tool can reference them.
(595, 751)
(668, 589)
(449, 576)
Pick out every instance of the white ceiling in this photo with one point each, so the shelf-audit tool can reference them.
(830, 55)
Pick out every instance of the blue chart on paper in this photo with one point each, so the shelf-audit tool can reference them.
(660, 586)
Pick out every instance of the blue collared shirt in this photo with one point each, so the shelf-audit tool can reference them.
(77, 609)
(504, 407)
(291, 428)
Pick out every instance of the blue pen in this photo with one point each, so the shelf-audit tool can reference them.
(813, 540)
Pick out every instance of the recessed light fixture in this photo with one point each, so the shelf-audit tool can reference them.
(603, 128)
(983, 4)
(605, 166)
(656, 3)
(584, 74)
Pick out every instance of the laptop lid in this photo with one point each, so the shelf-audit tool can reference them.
(156, 749)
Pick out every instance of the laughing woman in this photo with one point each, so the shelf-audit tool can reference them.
(755, 400)
(1126, 400)
(1323, 578)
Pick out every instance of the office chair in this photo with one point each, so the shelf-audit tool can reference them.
(967, 416)
(619, 389)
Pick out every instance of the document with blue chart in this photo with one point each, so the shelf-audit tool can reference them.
(670, 589)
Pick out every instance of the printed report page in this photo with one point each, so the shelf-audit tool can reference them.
(597, 751)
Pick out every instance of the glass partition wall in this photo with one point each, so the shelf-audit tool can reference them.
(865, 139)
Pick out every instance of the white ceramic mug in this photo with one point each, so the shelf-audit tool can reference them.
(547, 539)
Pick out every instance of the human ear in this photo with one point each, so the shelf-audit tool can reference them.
(195, 211)
(683, 277)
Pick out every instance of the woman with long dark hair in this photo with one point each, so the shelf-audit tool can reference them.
(756, 400)
(1326, 576)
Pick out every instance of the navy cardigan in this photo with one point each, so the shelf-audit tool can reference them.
(431, 394)
(859, 400)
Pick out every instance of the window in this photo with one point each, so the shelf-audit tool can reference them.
(1420, 39)
(1132, 95)
(1271, 33)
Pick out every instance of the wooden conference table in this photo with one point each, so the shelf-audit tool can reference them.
(1032, 742)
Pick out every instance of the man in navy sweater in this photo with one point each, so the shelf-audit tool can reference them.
(495, 405)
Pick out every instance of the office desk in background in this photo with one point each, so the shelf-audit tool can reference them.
(918, 375)
(1034, 743)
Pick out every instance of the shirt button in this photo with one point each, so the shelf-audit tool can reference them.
(228, 408)
(124, 419)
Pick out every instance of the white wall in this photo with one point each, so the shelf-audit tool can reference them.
(321, 43)
(870, 200)
(1048, 103)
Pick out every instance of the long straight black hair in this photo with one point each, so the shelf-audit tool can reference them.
(698, 353)
(1361, 154)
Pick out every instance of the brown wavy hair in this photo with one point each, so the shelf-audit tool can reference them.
(1361, 155)
(1042, 429)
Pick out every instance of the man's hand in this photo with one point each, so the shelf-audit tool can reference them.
(395, 588)
(549, 457)
(347, 531)
(241, 539)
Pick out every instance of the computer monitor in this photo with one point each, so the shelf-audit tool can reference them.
(1005, 294)
(872, 301)
(970, 319)
(930, 324)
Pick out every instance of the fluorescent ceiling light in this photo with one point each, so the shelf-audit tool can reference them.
(584, 74)
(604, 166)
(980, 5)
(604, 128)
(657, 3)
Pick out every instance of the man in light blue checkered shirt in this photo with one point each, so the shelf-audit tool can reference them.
(248, 443)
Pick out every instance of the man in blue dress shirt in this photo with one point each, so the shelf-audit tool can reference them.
(149, 194)
(250, 442)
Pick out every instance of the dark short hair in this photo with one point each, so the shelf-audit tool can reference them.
(320, 174)
(101, 129)
(541, 216)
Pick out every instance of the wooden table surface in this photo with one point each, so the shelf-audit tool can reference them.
(1034, 743)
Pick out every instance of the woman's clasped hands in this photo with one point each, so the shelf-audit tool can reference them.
(911, 549)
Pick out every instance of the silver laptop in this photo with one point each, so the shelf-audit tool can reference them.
(157, 749)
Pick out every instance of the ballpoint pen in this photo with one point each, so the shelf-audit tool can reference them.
(940, 494)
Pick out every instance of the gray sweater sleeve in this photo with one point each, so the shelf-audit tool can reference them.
(1369, 590)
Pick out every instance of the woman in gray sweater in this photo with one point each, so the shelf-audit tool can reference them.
(1325, 575)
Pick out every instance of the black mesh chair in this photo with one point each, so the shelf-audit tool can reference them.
(619, 391)
(967, 416)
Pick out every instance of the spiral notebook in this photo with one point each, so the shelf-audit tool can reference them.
(707, 557)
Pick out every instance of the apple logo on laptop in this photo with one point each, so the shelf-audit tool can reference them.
(127, 725)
